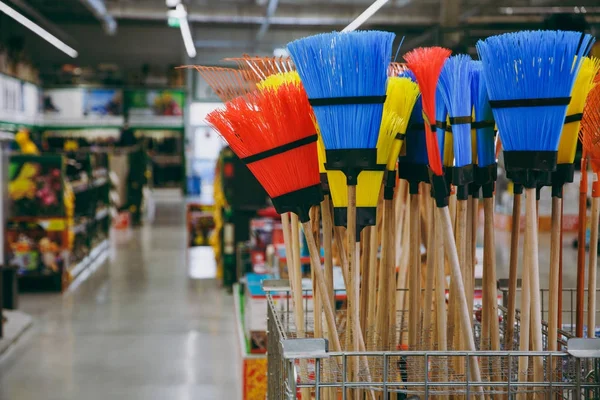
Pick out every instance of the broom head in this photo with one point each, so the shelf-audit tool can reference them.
(345, 77)
(273, 132)
(529, 76)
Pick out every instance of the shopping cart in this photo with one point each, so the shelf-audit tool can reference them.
(306, 364)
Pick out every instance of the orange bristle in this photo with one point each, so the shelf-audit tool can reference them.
(267, 119)
(426, 64)
(590, 128)
(259, 68)
(227, 83)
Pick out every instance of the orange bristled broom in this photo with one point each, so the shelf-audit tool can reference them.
(590, 137)
(273, 132)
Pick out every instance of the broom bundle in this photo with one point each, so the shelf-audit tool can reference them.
(257, 68)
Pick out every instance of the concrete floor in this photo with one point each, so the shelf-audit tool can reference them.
(137, 329)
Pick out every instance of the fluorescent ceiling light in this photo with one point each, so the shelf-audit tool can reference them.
(35, 28)
(180, 13)
(368, 13)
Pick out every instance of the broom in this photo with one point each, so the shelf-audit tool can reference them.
(455, 88)
(402, 93)
(345, 77)
(513, 265)
(273, 132)
(564, 173)
(590, 137)
(533, 73)
(412, 167)
(485, 174)
(426, 64)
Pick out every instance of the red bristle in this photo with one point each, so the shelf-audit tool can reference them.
(426, 63)
(267, 119)
(590, 128)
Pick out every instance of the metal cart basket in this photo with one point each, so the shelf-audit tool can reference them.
(305, 365)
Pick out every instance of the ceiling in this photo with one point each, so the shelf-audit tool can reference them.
(230, 27)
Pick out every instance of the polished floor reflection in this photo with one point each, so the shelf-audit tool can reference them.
(139, 328)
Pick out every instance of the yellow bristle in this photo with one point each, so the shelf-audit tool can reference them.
(367, 190)
(276, 80)
(338, 188)
(583, 84)
(320, 151)
(448, 148)
(402, 93)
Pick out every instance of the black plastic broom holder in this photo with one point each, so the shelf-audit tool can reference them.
(351, 162)
(389, 184)
(439, 189)
(461, 177)
(565, 173)
(413, 173)
(365, 216)
(485, 178)
(530, 168)
(299, 201)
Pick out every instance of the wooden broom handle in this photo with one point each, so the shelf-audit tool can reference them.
(461, 248)
(391, 276)
(440, 299)
(295, 283)
(512, 275)
(414, 291)
(591, 322)
(315, 261)
(583, 188)
(555, 244)
(531, 230)
(371, 312)
(383, 290)
(327, 244)
(463, 308)
(430, 273)
(525, 315)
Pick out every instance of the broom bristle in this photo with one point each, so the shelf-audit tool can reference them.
(264, 120)
(336, 65)
(584, 82)
(401, 96)
(227, 83)
(455, 87)
(367, 190)
(590, 128)
(426, 64)
(276, 80)
(259, 68)
(485, 138)
(531, 65)
(441, 113)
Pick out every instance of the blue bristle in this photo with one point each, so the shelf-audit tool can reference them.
(441, 112)
(486, 142)
(531, 65)
(455, 87)
(345, 65)
(416, 148)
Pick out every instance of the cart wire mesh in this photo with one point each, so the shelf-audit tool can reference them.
(305, 365)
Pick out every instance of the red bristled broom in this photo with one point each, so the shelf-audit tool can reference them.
(273, 132)
(426, 64)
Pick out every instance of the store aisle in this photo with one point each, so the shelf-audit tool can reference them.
(138, 328)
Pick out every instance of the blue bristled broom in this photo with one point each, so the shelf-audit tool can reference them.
(345, 76)
(529, 76)
(485, 174)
